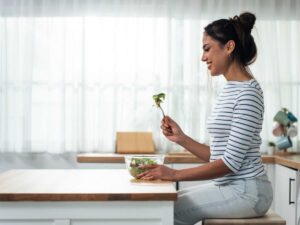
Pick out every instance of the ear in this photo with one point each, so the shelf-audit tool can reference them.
(230, 46)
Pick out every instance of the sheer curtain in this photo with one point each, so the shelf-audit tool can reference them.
(73, 73)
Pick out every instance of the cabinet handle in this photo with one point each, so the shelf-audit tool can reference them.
(290, 187)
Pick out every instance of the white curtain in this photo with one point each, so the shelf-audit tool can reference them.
(73, 73)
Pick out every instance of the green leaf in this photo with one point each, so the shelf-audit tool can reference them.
(159, 98)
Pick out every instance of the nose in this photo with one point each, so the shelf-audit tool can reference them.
(203, 58)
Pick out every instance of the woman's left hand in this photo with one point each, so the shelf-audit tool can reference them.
(158, 172)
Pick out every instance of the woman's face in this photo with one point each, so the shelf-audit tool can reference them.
(215, 55)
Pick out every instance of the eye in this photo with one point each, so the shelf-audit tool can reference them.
(206, 49)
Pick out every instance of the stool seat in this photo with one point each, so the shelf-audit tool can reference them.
(271, 218)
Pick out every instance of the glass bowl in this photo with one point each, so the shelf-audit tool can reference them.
(133, 163)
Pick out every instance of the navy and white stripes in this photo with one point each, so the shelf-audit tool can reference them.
(234, 128)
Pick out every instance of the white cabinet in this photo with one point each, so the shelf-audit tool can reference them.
(285, 193)
(87, 213)
(186, 184)
(102, 166)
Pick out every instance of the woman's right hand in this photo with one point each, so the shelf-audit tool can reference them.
(171, 130)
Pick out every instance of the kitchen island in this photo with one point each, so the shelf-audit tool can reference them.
(83, 197)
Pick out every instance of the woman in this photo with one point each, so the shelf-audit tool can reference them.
(241, 188)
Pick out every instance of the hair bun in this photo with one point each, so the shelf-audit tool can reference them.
(246, 21)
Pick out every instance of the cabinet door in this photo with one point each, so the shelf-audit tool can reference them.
(186, 184)
(285, 193)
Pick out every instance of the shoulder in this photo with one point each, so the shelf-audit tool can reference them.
(250, 90)
(251, 94)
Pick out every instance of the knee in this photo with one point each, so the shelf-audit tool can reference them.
(185, 218)
(180, 222)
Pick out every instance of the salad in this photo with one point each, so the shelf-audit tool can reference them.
(136, 164)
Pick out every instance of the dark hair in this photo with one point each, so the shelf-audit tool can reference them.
(237, 29)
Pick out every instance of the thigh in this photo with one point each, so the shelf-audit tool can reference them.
(187, 202)
(196, 188)
(211, 201)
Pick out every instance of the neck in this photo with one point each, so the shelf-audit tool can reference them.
(236, 72)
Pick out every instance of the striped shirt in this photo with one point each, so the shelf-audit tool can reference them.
(234, 127)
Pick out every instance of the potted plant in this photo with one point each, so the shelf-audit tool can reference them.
(271, 148)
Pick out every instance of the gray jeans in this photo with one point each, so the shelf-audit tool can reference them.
(242, 198)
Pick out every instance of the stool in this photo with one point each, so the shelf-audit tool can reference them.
(271, 218)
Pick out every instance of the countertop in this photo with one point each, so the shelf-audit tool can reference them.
(81, 185)
(291, 160)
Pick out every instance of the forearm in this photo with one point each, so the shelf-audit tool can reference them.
(200, 150)
(206, 172)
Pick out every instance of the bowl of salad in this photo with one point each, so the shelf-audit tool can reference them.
(135, 163)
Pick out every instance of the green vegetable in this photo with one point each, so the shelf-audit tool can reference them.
(158, 99)
(136, 163)
(271, 144)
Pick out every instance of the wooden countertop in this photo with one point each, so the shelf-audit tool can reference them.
(80, 185)
(291, 160)
(119, 158)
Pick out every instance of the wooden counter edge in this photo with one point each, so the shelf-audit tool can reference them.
(183, 158)
(168, 159)
(286, 162)
(100, 159)
(88, 197)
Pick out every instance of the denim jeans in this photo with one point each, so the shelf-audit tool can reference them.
(243, 198)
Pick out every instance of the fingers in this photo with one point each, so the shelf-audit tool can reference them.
(168, 132)
(166, 125)
(167, 120)
(166, 129)
(150, 174)
(147, 175)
